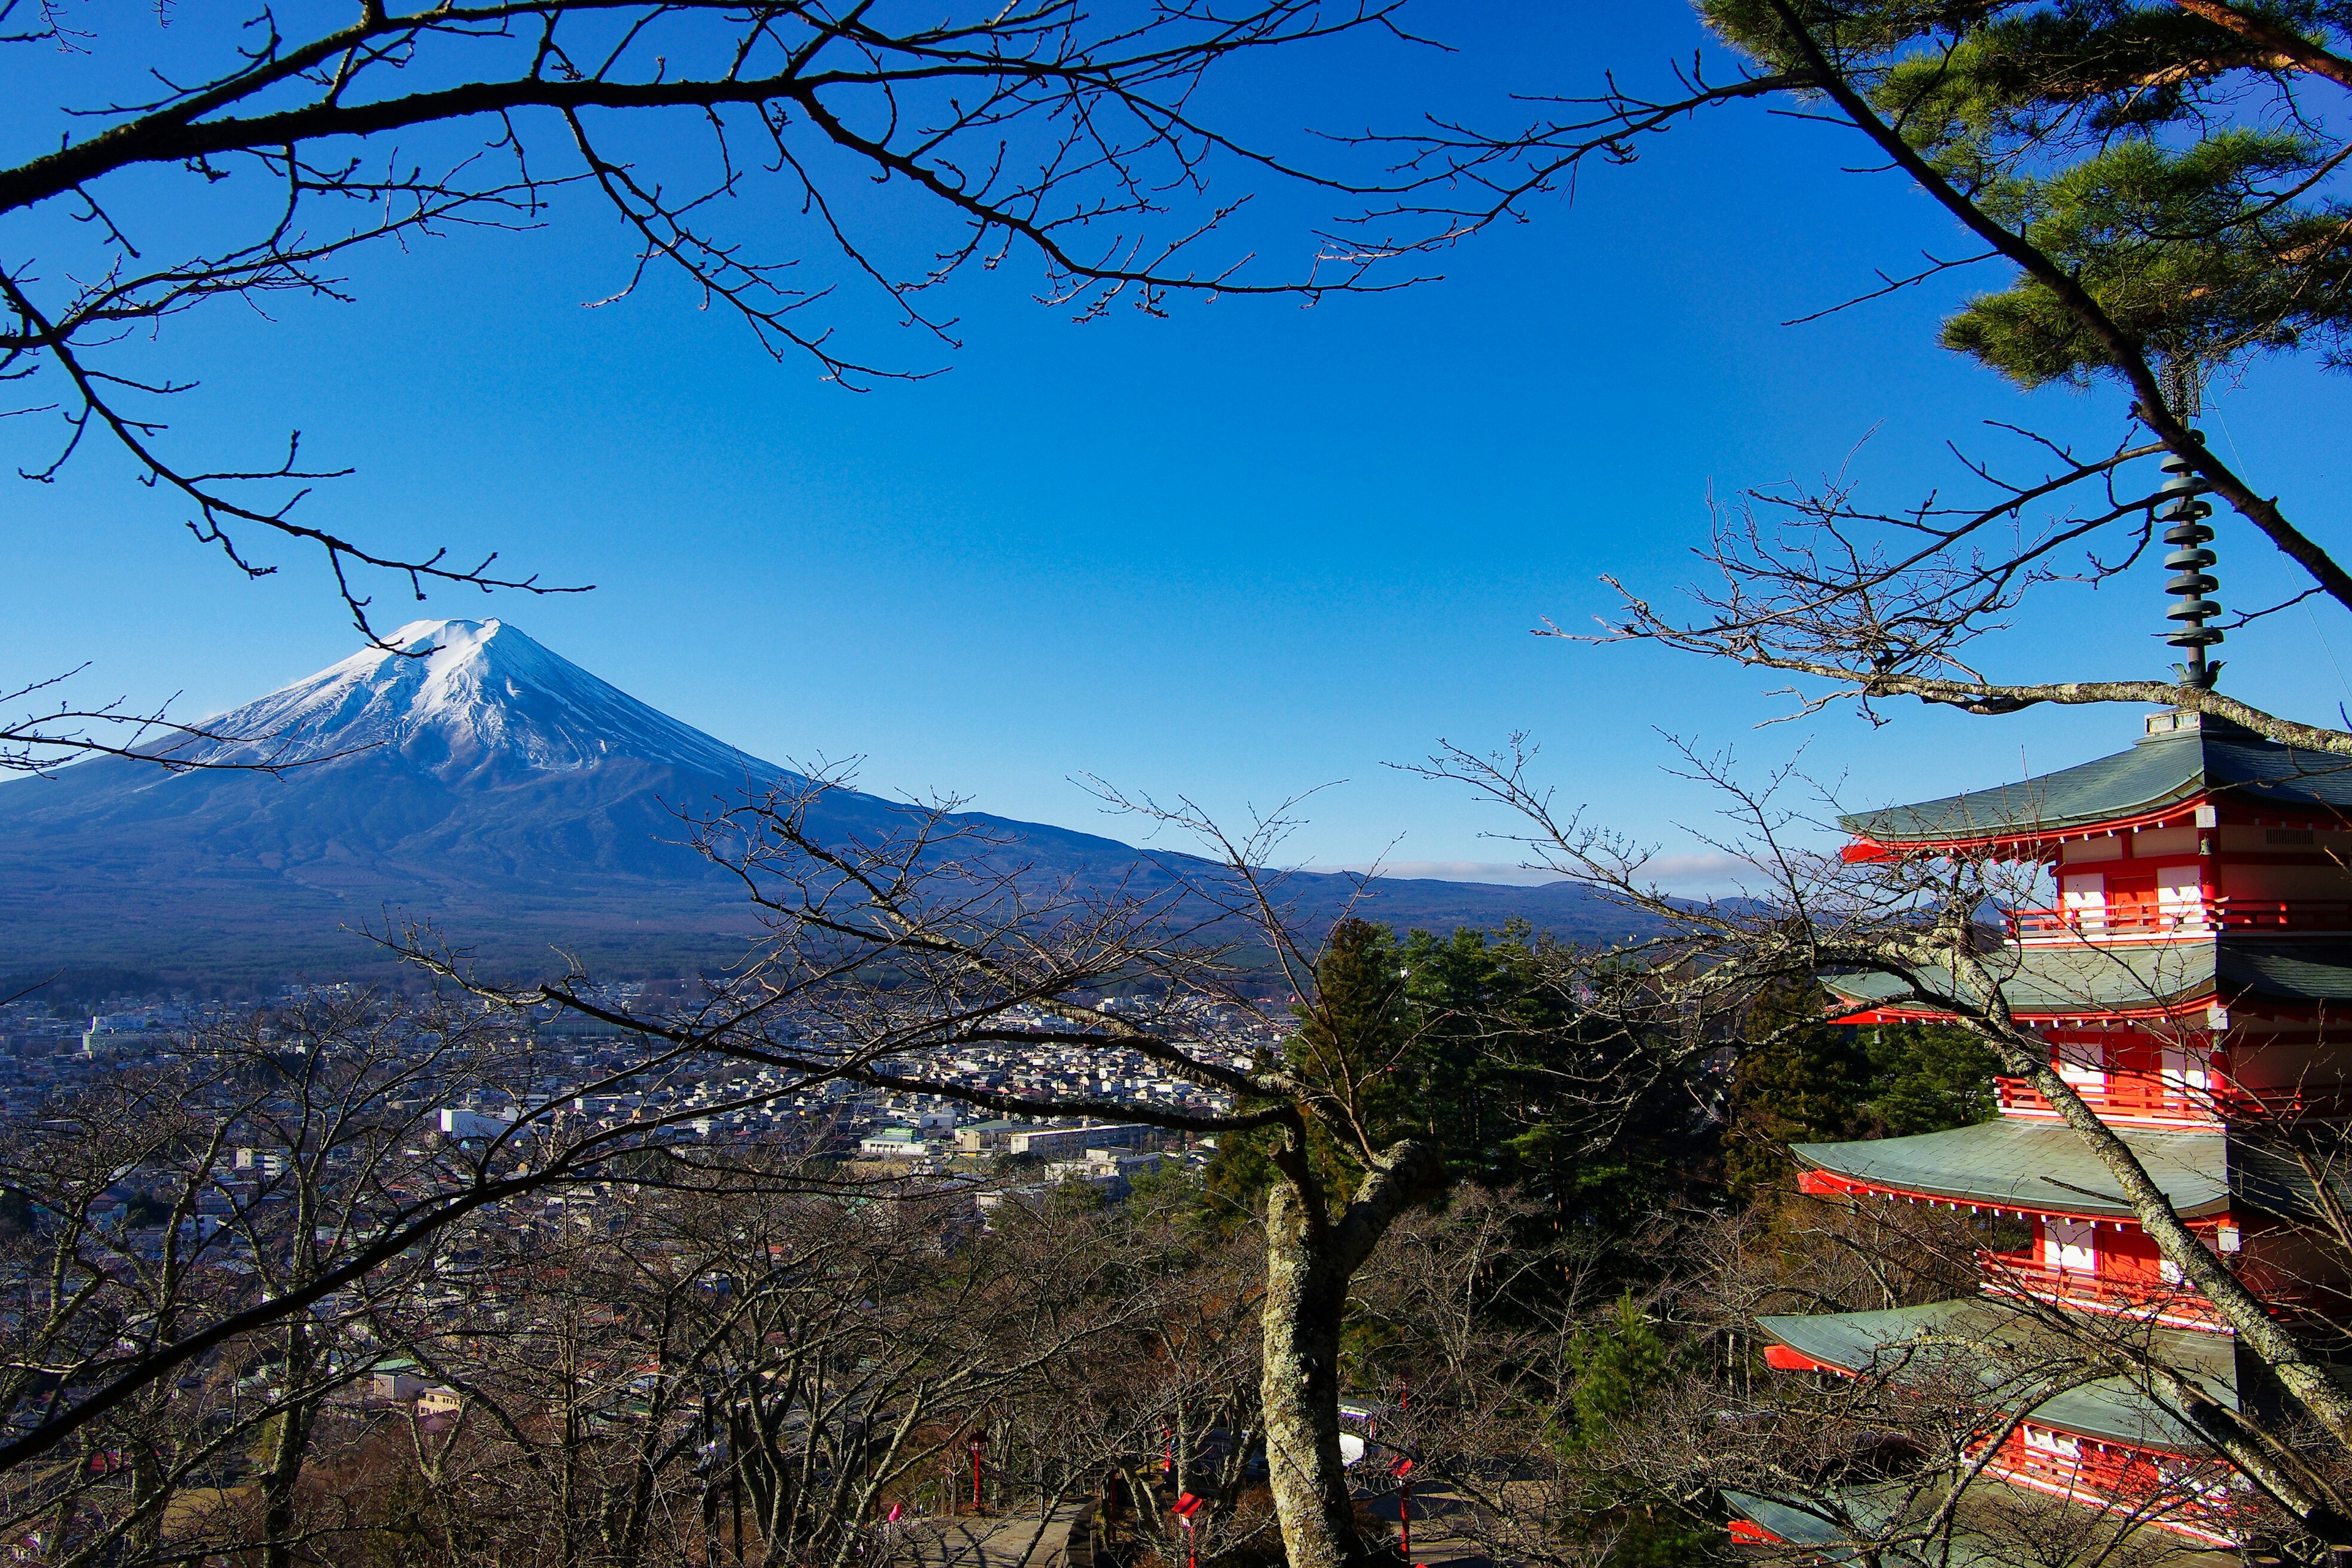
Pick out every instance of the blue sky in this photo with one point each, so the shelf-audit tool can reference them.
(1236, 554)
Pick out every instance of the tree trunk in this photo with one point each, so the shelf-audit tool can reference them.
(1309, 1261)
(1305, 1293)
(289, 1446)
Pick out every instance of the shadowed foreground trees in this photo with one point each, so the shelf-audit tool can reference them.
(698, 1343)
(885, 959)
(219, 1238)
(689, 1351)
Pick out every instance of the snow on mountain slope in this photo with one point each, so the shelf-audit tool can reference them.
(464, 696)
(478, 779)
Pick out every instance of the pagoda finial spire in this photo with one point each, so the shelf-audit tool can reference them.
(2183, 514)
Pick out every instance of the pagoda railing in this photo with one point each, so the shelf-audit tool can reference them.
(2134, 1096)
(2029, 1274)
(2169, 1492)
(2159, 1098)
(2149, 918)
(2024, 1274)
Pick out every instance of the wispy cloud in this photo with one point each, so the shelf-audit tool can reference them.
(1697, 872)
(1702, 871)
(1462, 871)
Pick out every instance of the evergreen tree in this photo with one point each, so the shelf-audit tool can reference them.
(2156, 152)
(1361, 1027)
(1484, 1054)
(1617, 1364)
(1925, 1078)
(1522, 1090)
(1799, 1079)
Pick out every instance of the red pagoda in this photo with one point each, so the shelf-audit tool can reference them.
(2202, 932)
(2202, 929)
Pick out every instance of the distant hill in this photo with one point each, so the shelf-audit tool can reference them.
(508, 794)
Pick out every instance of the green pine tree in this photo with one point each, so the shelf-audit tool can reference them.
(1615, 1366)
(2158, 157)
(1362, 1024)
(1800, 1080)
(1796, 1080)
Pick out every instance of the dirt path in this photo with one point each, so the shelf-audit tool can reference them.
(1012, 1540)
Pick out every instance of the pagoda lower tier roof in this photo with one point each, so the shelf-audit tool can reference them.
(2013, 1357)
(2245, 773)
(2044, 1167)
(2041, 1166)
(2081, 979)
(1837, 1516)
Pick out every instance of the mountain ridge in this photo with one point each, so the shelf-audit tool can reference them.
(476, 779)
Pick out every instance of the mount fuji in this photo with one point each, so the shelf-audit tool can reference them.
(476, 779)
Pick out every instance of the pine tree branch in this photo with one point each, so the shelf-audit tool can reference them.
(2283, 42)
(2124, 352)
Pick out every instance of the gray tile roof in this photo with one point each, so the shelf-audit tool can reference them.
(2084, 977)
(1879, 1511)
(2046, 1166)
(1808, 1521)
(2013, 1358)
(2160, 770)
(2289, 971)
(1846, 1514)
(2041, 1166)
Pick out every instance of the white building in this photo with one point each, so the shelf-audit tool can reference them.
(891, 1143)
(1072, 1142)
(462, 1124)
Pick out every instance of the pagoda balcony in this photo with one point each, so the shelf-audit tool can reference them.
(2149, 920)
(2030, 1276)
(2027, 1275)
(2168, 1491)
(2140, 1100)
(2158, 1100)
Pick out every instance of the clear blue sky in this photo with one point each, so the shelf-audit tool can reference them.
(1234, 554)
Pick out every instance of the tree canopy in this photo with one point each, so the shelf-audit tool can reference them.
(2161, 154)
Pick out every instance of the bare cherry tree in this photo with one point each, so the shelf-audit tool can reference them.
(890, 958)
(758, 1360)
(287, 1171)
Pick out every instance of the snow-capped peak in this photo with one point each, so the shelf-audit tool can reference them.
(461, 696)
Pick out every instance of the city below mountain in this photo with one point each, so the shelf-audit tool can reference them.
(517, 802)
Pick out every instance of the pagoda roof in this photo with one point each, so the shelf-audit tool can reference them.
(2077, 979)
(1808, 1521)
(1837, 1516)
(2043, 1166)
(1840, 1524)
(2009, 1354)
(2164, 771)
(2046, 1168)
